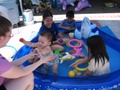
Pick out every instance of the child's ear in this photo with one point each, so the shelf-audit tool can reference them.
(1, 38)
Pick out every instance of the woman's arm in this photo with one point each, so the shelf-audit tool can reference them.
(17, 72)
(21, 60)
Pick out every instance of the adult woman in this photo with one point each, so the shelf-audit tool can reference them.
(13, 76)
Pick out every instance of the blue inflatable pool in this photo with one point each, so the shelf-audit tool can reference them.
(63, 82)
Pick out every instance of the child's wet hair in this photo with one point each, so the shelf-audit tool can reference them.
(5, 25)
(47, 34)
(70, 14)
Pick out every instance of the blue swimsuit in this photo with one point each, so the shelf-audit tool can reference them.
(56, 61)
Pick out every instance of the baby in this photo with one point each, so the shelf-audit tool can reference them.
(43, 46)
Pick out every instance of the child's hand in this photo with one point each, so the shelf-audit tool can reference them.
(59, 41)
(67, 28)
(22, 40)
(75, 64)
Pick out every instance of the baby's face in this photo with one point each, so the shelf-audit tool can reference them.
(43, 42)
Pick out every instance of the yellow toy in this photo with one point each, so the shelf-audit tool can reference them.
(71, 73)
(80, 69)
(67, 57)
(77, 71)
(74, 73)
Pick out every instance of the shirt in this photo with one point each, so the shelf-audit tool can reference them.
(71, 24)
(53, 30)
(99, 68)
(5, 65)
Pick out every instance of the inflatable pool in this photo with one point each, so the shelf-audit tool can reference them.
(64, 82)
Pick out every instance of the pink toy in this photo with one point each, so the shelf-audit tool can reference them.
(76, 48)
(82, 4)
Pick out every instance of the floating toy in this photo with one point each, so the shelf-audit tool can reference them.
(74, 73)
(67, 57)
(76, 47)
(71, 73)
(77, 71)
(82, 4)
(57, 51)
(86, 29)
(60, 40)
(80, 69)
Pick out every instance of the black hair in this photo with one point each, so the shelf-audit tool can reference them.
(70, 14)
(5, 25)
(47, 34)
(97, 48)
(46, 13)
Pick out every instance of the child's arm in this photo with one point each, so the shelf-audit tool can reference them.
(64, 27)
(87, 73)
(28, 43)
(84, 60)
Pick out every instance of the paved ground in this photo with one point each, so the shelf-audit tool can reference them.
(113, 24)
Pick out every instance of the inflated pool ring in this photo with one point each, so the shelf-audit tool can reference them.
(77, 48)
(75, 40)
(80, 69)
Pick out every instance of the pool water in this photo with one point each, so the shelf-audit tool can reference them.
(63, 68)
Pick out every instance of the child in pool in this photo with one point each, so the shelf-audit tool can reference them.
(49, 25)
(97, 57)
(69, 24)
(44, 47)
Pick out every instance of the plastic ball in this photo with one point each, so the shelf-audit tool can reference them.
(21, 39)
(71, 73)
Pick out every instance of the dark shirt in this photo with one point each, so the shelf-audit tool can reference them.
(53, 30)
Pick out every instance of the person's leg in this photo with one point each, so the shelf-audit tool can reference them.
(55, 69)
(65, 40)
(23, 83)
(57, 46)
(55, 72)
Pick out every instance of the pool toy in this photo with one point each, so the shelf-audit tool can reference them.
(77, 48)
(104, 82)
(86, 29)
(60, 40)
(67, 2)
(74, 73)
(82, 4)
(67, 57)
(57, 51)
(71, 73)
(80, 69)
